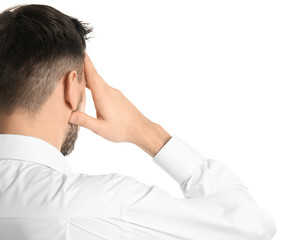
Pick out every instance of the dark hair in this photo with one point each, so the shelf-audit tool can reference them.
(38, 46)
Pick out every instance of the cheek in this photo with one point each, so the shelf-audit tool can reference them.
(83, 107)
(84, 99)
(83, 103)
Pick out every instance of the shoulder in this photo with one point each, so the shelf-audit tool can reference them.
(94, 195)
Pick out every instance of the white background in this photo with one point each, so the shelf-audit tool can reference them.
(227, 77)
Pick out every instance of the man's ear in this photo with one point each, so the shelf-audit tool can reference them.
(71, 89)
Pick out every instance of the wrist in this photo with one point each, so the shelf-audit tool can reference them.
(153, 139)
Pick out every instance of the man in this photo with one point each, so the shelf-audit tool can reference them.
(43, 76)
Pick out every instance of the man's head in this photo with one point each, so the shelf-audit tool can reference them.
(42, 70)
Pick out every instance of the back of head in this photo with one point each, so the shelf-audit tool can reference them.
(38, 46)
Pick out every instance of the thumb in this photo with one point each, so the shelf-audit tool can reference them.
(84, 120)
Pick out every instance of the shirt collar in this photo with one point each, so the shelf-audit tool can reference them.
(28, 148)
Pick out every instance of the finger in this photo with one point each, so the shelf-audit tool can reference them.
(84, 120)
(91, 72)
(90, 68)
(86, 83)
(94, 81)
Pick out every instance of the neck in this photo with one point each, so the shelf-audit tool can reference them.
(41, 127)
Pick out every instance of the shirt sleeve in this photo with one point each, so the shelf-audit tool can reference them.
(216, 203)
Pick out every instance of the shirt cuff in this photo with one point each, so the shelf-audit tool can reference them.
(178, 159)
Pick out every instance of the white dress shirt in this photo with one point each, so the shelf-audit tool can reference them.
(42, 199)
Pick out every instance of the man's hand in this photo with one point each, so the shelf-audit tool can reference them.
(118, 120)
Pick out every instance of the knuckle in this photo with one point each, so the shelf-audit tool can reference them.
(117, 91)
